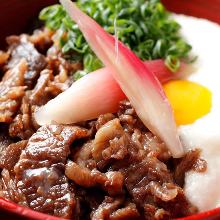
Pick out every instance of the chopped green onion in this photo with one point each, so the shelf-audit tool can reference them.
(143, 25)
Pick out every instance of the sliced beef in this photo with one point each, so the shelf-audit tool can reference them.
(112, 181)
(56, 60)
(140, 135)
(111, 168)
(129, 212)
(150, 184)
(151, 212)
(106, 208)
(40, 170)
(12, 90)
(23, 125)
(39, 95)
(110, 143)
(10, 155)
(139, 174)
(9, 189)
(63, 69)
(20, 48)
(140, 157)
(115, 208)
(152, 145)
(128, 118)
(83, 156)
(191, 161)
(103, 119)
(42, 39)
(60, 83)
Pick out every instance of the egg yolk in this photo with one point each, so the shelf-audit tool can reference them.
(189, 100)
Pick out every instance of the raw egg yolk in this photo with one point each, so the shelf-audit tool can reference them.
(189, 100)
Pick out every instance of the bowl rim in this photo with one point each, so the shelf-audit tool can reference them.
(23, 211)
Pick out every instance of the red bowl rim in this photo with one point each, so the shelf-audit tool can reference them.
(22, 211)
(34, 215)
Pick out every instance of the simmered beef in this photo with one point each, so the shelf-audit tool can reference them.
(116, 209)
(20, 48)
(39, 95)
(112, 181)
(63, 69)
(190, 161)
(83, 156)
(106, 208)
(10, 155)
(23, 125)
(61, 63)
(12, 90)
(41, 39)
(147, 179)
(129, 212)
(111, 168)
(110, 142)
(9, 189)
(40, 170)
